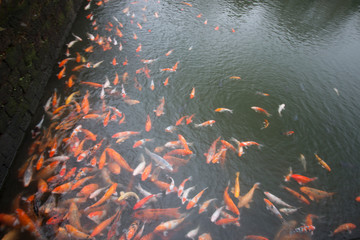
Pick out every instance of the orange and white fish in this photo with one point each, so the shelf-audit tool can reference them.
(322, 163)
(181, 187)
(223, 110)
(261, 110)
(189, 119)
(160, 109)
(205, 205)
(192, 94)
(169, 225)
(299, 178)
(138, 49)
(195, 199)
(204, 124)
(141, 142)
(152, 85)
(271, 207)
(169, 52)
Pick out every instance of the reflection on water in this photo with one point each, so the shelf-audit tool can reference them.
(150, 65)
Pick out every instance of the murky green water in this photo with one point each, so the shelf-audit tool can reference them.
(297, 52)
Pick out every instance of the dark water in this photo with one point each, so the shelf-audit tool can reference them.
(296, 51)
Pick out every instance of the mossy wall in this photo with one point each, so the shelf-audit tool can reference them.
(32, 33)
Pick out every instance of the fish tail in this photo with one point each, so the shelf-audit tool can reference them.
(197, 125)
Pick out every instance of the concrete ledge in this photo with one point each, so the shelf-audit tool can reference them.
(33, 33)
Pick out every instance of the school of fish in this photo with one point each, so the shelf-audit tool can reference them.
(73, 177)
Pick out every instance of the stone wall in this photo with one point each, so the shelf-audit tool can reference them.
(32, 33)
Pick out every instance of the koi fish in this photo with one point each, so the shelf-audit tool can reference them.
(143, 201)
(189, 119)
(159, 160)
(262, 94)
(119, 159)
(195, 199)
(271, 207)
(211, 152)
(191, 234)
(223, 110)
(235, 77)
(169, 225)
(277, 200)
(255, 237)
(169, 52)
(26, 222)
(322, 163)
(261, 110)
(229, 202)
(204, 124)
(61, 74)
(192, 94)
(216, 214)
(138, 49)
(146, 172)
(315, 194)
(237, 186)
(141, 142)
(288, 133)
(288, 211)
(205, 205)
(181, 187)
(99, 228)
(160, 109)
(300, 179)
(247, 198)
(344, 227)
(266, 124)
(297, 195)
(303, 229)
(155, 214)
(281, 108)
(303, 161)
(186, 193)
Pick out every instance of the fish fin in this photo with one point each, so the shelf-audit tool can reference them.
(247, 205)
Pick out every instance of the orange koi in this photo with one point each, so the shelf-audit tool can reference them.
(106, 119)
(114, 62)
(78, 57)
(229, 202)
(102, 160)
(155, 214)
(235, 77)
(297, 195)
(255, 237)
(87, 190)
(189, 119)
(169, 225)
(148, 123)
(85, 103)
(63, 62)
(119, 33)
(88, 134)
(92, 84)
(322, 163)
(225, 221)
(344, 227)
(125, 62)
(138, 49)
(70, 81)
(205, 22)
(116, 80)
(141, 142)
(76, 233)
(139, 25)
(26, 222)
(146, 172)
(166, 82)
(160, 109)
(61, 74)
(187, 4)
(180, 121)
(99, 228)
(204, 124)
(211, 152)
(125, 77)
(124, 134)
(42, 186)
(258, 109)
(192, 94)
(199, 15)
(143, 201)
(195, 199)
(80, 182)
(40, 162)
(64, 188)
(288, 133)
(106, 196)
(89, 49)
(182, 185)
(216, 28)
(169, 52)
(119, 159)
